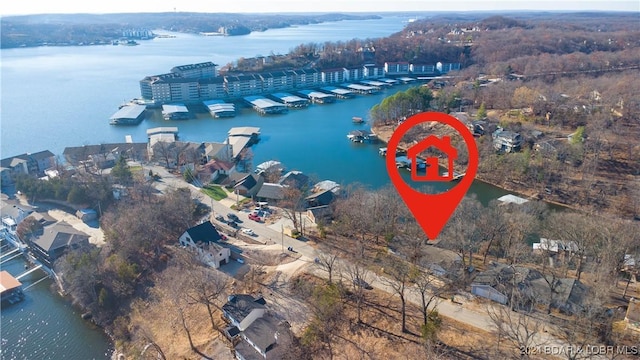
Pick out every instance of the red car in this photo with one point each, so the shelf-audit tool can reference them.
(255, 217)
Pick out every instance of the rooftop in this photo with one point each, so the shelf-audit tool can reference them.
(8, 282)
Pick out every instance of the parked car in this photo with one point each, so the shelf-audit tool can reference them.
(255, 217)
(233, 217)
(233, 224)
(363, 284)
(240, 260)
(248, 232)
(220, 218)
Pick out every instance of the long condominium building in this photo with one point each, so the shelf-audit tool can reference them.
(198, 82)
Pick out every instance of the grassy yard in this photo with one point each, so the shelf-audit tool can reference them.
(215, 192)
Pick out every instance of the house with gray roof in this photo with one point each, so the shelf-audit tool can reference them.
(507, 141)
(26, 164)
(271, 191)
(257, 334)
(249, 185)
(54, 240)
(296, 179)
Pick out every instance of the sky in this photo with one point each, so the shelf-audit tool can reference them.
(23, 7)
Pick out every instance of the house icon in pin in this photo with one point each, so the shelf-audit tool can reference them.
(432, 171)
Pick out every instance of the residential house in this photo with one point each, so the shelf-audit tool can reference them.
(178, 153)
(480, 127)
(269, 166)
(218, 168)
(501, 283)
(555, 249)
(33, 164)
(321, 198)
(218, 151)
(55, 240)
(326, 185)
(249, 185)
(319, 213)
(507, 141)
(12, 214)
(271, 192)
(84, 155)
(295, 179)
(204, 239)
(257, 334)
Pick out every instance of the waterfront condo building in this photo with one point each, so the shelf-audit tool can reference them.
(243, 85)
(396, 68)
(196, 71)
(372, 71)
(354, 74)
(304, 78)
(332, 76)
(276, 81)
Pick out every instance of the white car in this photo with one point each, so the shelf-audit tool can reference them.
(248, 232)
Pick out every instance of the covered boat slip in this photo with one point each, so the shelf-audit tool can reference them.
(128, 115)
(291, 100)
(175, 112)
(362, 89)
(265, 106)
(318, 97)
(339, 92)
(219, 108)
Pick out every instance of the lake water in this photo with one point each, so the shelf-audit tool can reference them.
(54, 97)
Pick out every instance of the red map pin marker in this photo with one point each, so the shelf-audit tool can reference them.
(432, 211)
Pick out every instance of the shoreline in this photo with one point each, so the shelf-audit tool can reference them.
(516, 190)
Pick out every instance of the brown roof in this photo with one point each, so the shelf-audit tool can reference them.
(8, 282)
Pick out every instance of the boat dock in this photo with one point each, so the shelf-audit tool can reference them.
(128, 115)
(362, 89)
(290, 100)
(10, 288)
(175, 112)
(318, 97)
(219, 108)
(265, 106)
(338, 92)
(361, 136)
(375, 83)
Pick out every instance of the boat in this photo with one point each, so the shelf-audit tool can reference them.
(357, 120)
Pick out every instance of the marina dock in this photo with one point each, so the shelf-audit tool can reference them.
(362, 89)
(290, 100)
(318, 97)
(175, 112)
(265, 106)
(219, 108)
(340, 93)
(128, 115)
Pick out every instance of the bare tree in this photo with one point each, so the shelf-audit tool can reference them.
(327, 262)
(398, 280)
(357, 275)
(518, 328)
